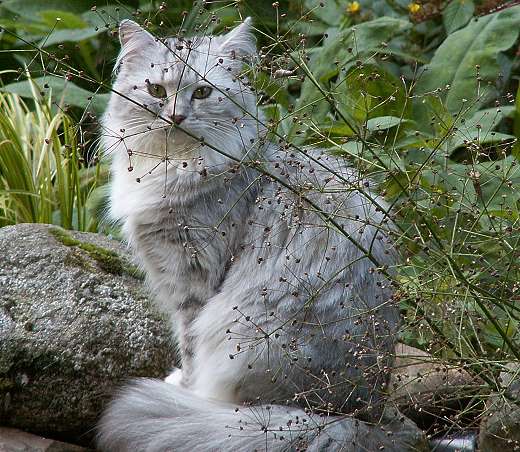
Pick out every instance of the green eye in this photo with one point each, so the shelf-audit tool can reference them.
(156, 90)
(202, 92)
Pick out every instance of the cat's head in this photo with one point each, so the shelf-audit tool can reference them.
(171, 95)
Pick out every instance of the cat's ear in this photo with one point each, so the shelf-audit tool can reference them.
(135, 41)
(131, 33)
(240, 41)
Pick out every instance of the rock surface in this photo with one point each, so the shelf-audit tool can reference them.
(74, 324)
(500, 427)
(12, 440)
(424, 387)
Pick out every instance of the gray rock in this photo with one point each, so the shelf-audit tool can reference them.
(74, 324)
(456, 442)
(499, 428)
(12, 440)
(395, 433)
(425, 388)
(416, 373)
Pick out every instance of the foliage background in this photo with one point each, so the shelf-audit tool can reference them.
(422, 96)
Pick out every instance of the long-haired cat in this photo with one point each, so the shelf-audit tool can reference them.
(271, 261)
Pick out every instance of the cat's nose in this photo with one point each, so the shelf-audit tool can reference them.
(177, 119)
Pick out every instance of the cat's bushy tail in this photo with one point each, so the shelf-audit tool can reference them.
(154, 416)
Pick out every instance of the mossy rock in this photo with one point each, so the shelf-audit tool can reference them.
(75, 322)
(107, 259)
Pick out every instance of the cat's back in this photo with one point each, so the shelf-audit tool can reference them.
(315, 223)
(311, 192)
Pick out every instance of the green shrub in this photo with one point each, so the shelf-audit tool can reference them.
(440, 143)
(43, 178)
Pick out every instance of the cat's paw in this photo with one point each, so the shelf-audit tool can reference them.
(174, 378)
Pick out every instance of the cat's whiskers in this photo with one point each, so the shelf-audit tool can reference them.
(120, 134)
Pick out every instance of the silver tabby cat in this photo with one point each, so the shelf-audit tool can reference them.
(269, 260)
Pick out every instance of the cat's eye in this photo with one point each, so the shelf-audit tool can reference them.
(202, 92)
(156, 90)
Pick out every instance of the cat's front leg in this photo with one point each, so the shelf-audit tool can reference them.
(182, 321)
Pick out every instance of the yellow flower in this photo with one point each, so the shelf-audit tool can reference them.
(353, 7)
(414, 8)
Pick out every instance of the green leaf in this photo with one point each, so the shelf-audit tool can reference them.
(480, 128)
(56, 26)
(339, 55)
(59, 36)
(492, 335)
(62, 19)
(275, 89)
(63, 92)
(490, 184)
(74, 28)
(475, 137)
(30, 9)
(489, 118)
(314, 28)
(369, 92)
(457, 14)
(277, 115)
(108, 15)
(455, 61)
(336, 129)
(330, 13)
(383, 123)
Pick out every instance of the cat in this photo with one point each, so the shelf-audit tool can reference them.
(272, 262)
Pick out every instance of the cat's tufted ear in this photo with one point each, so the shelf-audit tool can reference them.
(135, 42)
(131, 33)
(240, 41)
